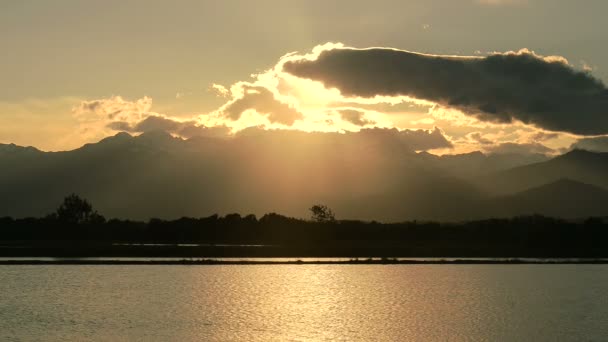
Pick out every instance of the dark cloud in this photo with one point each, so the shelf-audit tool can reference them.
(478, 137)
(522, 86)
(597, 144)
(515, 148)
(264, 102)
(355, 117)
(185, 129)
(120, 126)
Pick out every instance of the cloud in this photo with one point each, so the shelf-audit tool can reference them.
(544, 136)
(159, 123)
(479, 138)
(114, 108)
(413, 140)
(501, 88)
(264, 102)
(371, 96)
(515, 148)
(95, 118)
(596, 144)
(185, 129)
(100, 117)
(220, 90)
(422, 140)
(586, 67)
(356, 117)
(380, 139)
(191, 131)
(120, 126)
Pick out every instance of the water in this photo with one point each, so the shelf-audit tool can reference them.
(305, 303)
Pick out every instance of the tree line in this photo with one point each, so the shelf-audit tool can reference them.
(76, 220)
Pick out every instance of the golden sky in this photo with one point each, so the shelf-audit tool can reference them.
(75, 72)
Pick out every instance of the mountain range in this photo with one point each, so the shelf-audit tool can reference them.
(369, 177)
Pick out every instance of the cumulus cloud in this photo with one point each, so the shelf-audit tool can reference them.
(264, 102)
(477, 101)
(186, 129)
(95, 116)
(114, 108)
(596, 144)
(100, 117)
(220, 90)
(502, 87)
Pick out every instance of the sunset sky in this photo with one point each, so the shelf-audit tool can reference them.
(490, 75)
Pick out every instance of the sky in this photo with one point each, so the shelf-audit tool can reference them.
(490, 75)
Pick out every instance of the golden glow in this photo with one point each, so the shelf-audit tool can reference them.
(315, 108)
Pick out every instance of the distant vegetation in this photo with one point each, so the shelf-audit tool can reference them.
(76, 221)
(321, 213)
(76, 210)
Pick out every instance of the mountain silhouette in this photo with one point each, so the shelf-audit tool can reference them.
(361, 177)
(579, 165)
(564, 198)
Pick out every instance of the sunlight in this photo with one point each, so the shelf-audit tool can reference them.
(303, 170)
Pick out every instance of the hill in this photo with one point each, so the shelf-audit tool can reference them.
(372, 176)
(563, 198)
(578, 165)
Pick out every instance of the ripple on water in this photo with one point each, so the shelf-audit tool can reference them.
(304, 302)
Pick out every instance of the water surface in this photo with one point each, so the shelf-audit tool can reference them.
(305, 303)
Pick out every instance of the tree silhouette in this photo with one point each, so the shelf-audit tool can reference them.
(322, 213)
(77, 210)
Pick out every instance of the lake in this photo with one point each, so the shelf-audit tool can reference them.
(305, 303)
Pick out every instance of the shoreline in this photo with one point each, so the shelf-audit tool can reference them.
(388, 261)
